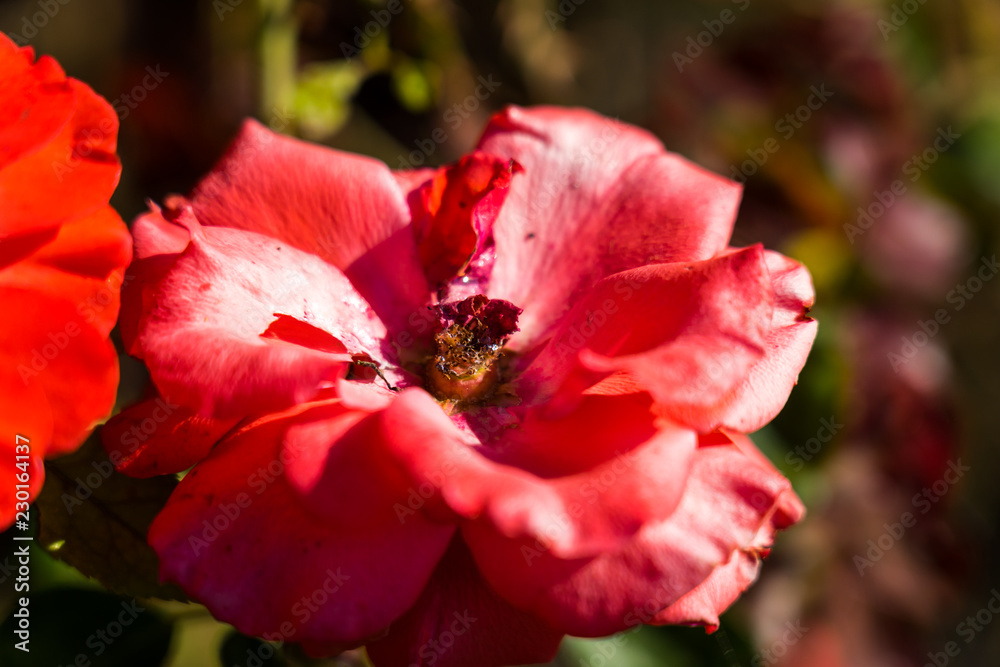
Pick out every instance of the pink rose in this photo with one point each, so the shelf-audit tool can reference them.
(455, 414)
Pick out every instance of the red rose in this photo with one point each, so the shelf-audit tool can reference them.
(459, 413)
(63, 252)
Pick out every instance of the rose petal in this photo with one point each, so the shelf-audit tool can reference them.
(74, 365)
(15, 248)
(161, 233)
(345, 585)
(409, 180)
(62, 255)
(577, 510)
(687, 333)
(38, 101)
(345, 208)
(453, 213)
(79, 164)
(703, 605)
(727, 582)
(337, 464)
(83, 263)
(158, 438)
(769, 381)
(460, 621)
(93, 246)
(156, 245)
(729, 504)
(205, 311)
(597, 197)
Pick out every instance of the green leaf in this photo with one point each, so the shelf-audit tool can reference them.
(647, 646)
(637, 648)
(412, 86)
(323, 96)
(106, 630)
(96, 520)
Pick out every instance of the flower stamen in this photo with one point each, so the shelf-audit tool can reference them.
(473, 333)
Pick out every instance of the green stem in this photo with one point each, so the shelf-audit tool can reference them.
(278, 58)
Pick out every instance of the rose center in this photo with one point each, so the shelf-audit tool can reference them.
(469, 346)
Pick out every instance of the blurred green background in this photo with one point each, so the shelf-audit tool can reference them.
(868, 137)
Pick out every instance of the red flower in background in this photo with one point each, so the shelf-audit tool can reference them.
(63, 253)
(501, 401)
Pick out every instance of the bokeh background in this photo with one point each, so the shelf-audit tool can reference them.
(868, 137)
